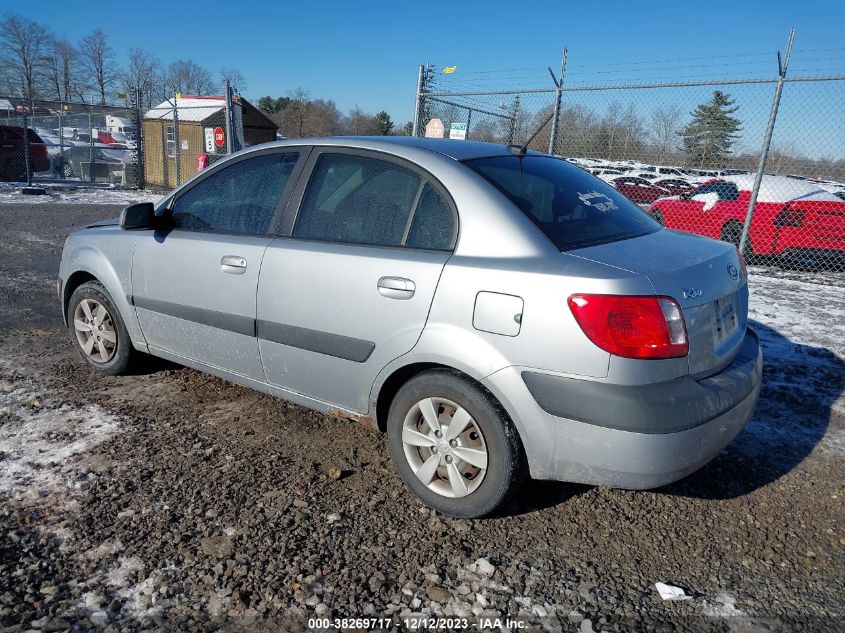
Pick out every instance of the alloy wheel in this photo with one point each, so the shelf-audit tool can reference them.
(94, 329)
(444, 447)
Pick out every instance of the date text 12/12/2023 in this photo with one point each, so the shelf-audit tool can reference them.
(416, 622)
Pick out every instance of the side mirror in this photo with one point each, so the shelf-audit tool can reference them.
(138, 216)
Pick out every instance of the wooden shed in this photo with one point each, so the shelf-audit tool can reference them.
(201, 131)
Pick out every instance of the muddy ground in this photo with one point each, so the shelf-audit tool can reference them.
(172, 500)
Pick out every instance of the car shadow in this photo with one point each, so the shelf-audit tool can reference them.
(800, 385)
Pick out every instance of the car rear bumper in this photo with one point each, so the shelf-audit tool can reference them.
(629, 437)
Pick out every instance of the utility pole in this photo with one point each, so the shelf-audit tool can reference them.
(767, 141)
(514, 121)
(558, 98)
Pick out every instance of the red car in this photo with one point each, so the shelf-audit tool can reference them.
(675, 186)
(792, 217)
(639, 189)
(12, 153)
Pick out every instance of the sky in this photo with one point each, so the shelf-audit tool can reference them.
(366, 53)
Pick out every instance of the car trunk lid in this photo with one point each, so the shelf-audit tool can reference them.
(704, 276)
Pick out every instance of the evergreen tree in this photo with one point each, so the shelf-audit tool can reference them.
(384, 123)
(708, 138)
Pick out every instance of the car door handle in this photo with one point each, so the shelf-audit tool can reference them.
(396, 287)
(233, 264)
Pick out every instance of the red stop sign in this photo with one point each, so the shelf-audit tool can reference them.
(219, 137)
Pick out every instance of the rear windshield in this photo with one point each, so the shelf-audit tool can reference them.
(570, 206)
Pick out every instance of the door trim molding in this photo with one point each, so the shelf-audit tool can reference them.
(337, 345)
(220, 320)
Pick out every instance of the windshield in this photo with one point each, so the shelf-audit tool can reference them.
(570, 206)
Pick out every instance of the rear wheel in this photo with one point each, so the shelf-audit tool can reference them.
(657, 216)
(732, 234)
(98, 330)
(453, 444)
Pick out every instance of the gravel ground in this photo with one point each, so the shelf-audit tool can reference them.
(173, 500)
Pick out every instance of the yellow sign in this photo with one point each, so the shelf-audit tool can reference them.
(448, 70)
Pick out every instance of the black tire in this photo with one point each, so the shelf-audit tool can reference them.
(124, 356)
(732, 234)
(506, 468)
(657, 216)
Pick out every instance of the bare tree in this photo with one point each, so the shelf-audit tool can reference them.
(63, 73)
(235, 77)
(294, 115)
(188, 77)
(663, 130)
(143, 73)
(359, 123)
(23, 52)
(98, 60)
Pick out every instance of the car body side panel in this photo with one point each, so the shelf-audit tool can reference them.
(106, 253)
(324, 328)
(189, 306)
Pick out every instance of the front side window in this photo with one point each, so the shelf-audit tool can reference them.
(572, 208)
(240, 198)
(357, 200)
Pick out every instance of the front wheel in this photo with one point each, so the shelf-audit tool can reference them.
(98, 331)
(453, 444)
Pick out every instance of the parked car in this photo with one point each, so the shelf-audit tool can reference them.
(13, 153)
(792, 217)
(77, 162)
(496, 313)
(675, 186)
(639, 189)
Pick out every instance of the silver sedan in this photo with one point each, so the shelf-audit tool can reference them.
(498, 313)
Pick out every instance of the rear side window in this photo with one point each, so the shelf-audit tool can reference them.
(357, 200)
(241, 198)
(725, 190)
(433, 223)
(571, 207)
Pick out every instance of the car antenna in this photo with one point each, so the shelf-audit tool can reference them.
(520, 150)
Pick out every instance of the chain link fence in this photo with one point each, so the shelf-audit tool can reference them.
(699, 155)
(60, 142)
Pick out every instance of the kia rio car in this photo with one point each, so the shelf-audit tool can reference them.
(497, 313)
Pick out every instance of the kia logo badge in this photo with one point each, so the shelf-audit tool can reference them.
(733, 272)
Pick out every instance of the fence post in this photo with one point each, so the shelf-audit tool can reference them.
(61, 140)
(90, 146)
(139, 148)
(767, 141)
(177, 150)
(469, 120)
(558, 99)
(227, 97)
(26, 152)
(416, 126)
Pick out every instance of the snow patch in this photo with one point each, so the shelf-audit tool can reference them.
(63, 194)
(38, 442)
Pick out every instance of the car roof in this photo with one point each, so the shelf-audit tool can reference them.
(453, 148)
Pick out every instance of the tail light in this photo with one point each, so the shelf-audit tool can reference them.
(790, 217)
(632, 327)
